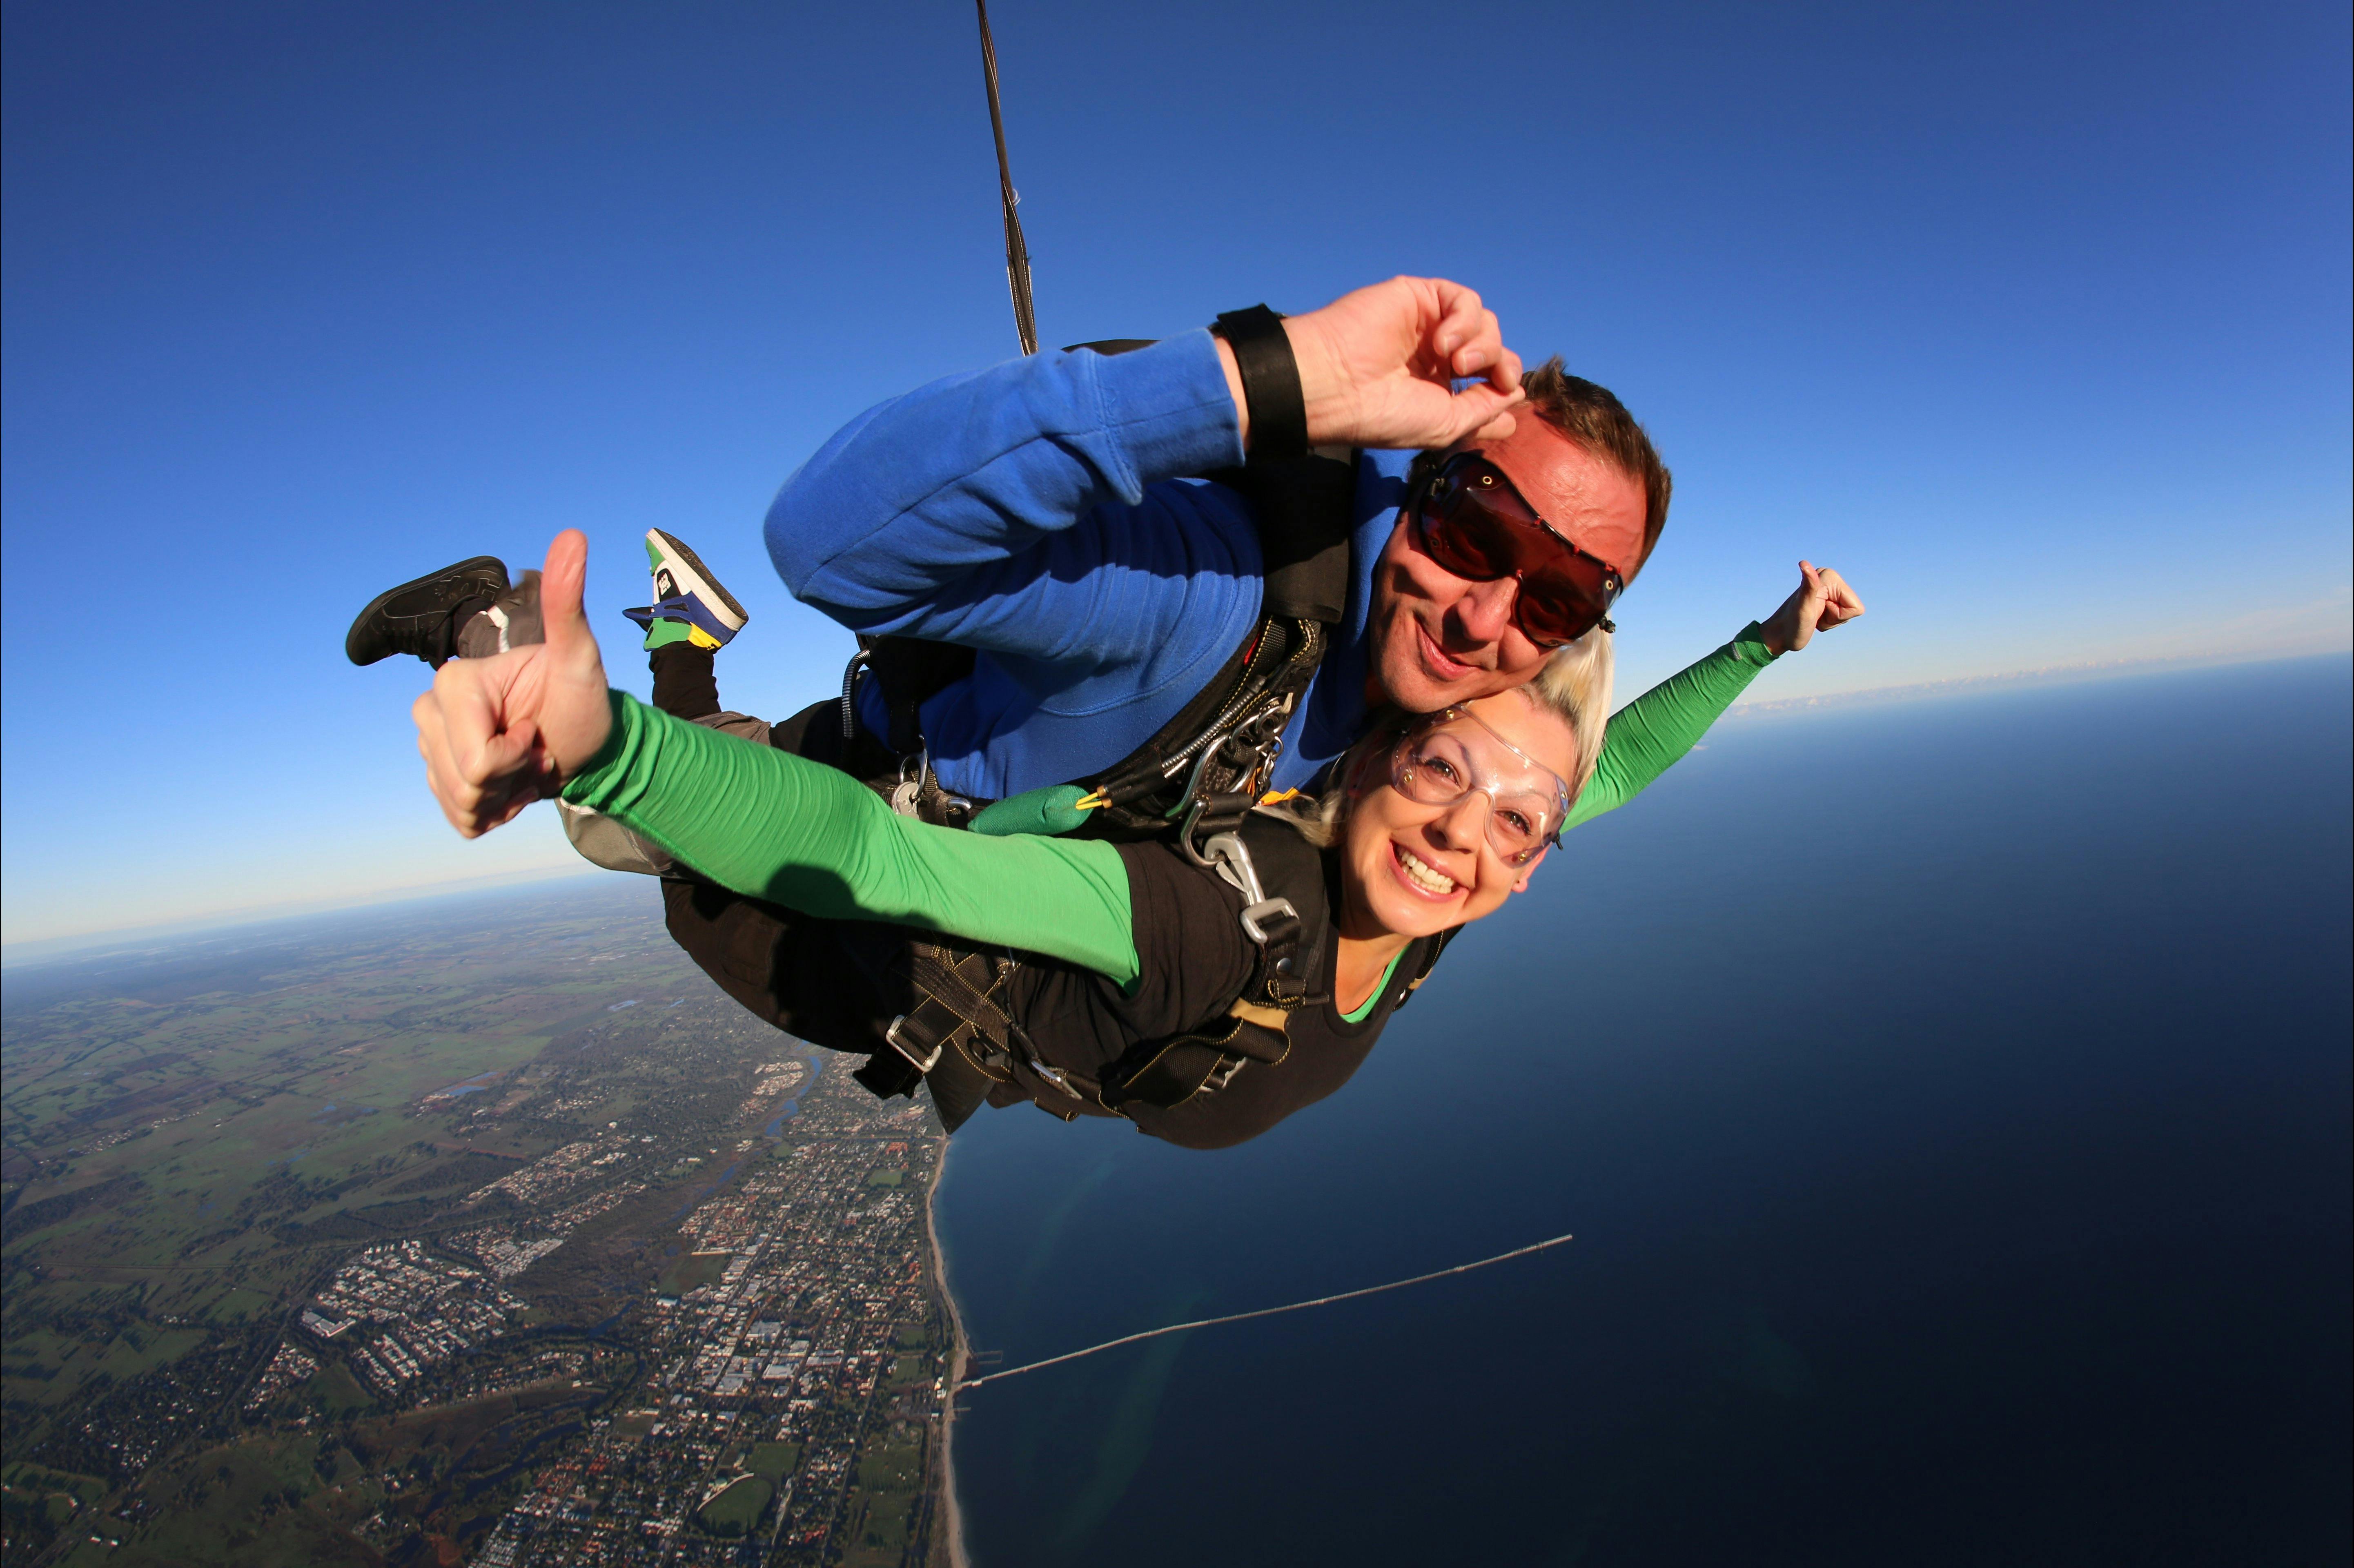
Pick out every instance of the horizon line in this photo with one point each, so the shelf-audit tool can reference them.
(37, 950)
(17, 953)
(2075, 670)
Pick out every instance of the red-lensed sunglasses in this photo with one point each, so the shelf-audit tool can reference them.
(1469, 519)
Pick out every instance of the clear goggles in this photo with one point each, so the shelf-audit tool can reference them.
(1453, 755)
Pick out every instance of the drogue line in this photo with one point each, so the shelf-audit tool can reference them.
(1261, 1312)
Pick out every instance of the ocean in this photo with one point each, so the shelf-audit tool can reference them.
(1951, 1103)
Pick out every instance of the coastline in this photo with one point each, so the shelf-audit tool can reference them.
(948, 1537)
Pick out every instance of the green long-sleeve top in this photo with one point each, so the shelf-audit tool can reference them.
(771, 825)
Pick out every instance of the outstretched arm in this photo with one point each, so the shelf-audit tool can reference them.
(1654, 732)
(500, 733)
(776, 826)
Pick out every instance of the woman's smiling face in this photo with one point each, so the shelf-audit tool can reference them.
(1413, 869)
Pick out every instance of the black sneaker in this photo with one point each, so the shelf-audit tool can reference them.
(423, 617)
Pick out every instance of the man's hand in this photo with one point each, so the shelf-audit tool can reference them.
(498, 734)
(1822, 600)
(1376, 367)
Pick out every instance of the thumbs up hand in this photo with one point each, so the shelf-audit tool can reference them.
(497, 734)
(1822, 601)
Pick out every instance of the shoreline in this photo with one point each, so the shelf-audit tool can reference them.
(946, 1548)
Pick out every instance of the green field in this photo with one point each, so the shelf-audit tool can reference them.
(773, 1460)
(691, 1269)
(890, 1478)
(735, 1511)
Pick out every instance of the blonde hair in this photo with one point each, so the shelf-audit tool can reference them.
(1574, 685)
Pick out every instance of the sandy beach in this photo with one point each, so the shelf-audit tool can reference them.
(947, 1534)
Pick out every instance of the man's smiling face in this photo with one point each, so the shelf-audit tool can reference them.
(1438, 638)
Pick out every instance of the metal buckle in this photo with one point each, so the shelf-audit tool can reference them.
(1201, 764)
(905, 795)
(1233, 860)
(1264, 909)
(921, 1064)
(1185, 833)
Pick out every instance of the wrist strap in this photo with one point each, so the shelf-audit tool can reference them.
(1279, 410)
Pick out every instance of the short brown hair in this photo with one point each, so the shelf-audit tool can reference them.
(1598, 422)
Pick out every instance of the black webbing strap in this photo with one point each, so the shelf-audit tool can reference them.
(1209, 816)
(1281, 978)
(912, 670)
(953, 981)
(1279, 410)
(1169, 1071)
(952, 1008)
(1285, 862)
(1165, 1072)
(1305, 508)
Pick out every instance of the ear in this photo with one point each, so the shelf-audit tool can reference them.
(1530, 870)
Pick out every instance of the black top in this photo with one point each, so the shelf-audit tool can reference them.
(1194, 960)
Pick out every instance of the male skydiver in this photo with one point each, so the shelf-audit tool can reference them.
(1043, 513)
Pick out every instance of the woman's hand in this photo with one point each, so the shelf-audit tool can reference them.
(498, 734)
(1822, 600)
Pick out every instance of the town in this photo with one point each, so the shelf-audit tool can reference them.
(797, 1375)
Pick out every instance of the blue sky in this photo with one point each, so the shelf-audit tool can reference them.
(2034, 320)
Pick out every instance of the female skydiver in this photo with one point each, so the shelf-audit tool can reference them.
(1205, 990)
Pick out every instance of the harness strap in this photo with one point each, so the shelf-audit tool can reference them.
(957, 1017)
(953, 1007)
(911, 669)
(1304, 508)
(1225, 741)
(1270, 376)
(1168, 1072)
(1165, 1072)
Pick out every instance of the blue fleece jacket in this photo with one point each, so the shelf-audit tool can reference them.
(1039, 513)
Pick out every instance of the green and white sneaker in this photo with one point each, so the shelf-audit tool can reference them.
(690, 605)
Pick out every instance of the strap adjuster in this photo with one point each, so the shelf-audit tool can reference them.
(922, 1061)
(1267, 909)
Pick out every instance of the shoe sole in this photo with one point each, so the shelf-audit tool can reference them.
(703, 577)
(488, 570)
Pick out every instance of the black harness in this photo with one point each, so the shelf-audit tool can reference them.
(960, 1033)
